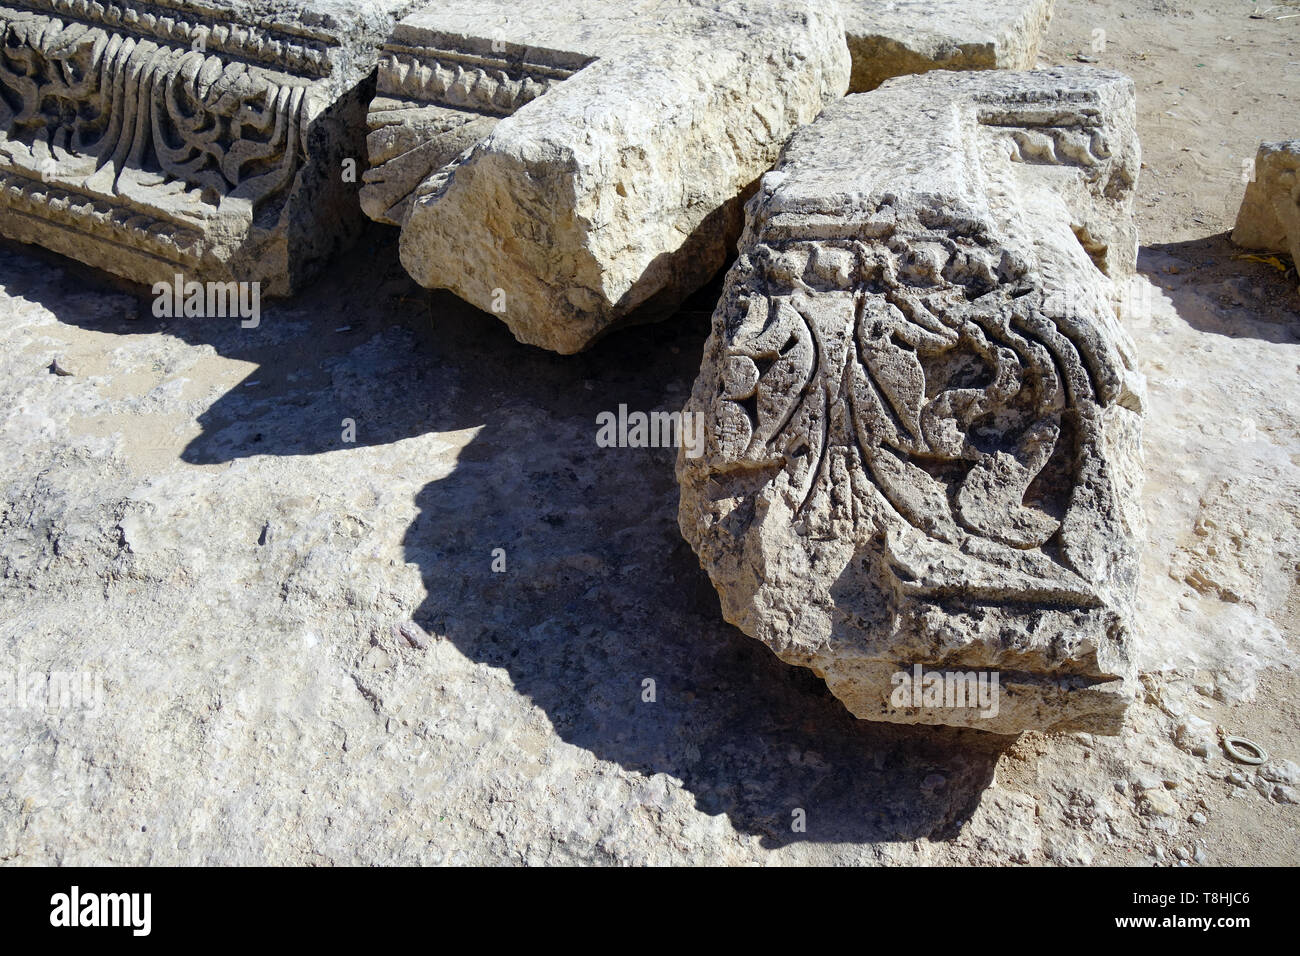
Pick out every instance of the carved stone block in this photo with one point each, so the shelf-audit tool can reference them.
(890, 38)
(182, 136)
(1270, 212)
(922, 415)
(563, 165)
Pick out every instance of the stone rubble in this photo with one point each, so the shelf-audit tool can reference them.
(889, 38)
(240, 579)
(565, 168)
(180, 522)
(561, 167)
(1269, 218)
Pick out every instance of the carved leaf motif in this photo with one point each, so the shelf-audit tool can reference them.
(955, 406)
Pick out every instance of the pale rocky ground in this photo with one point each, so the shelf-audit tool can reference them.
(181, 516)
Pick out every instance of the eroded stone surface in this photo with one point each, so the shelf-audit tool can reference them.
(157, 138)
(923, 415)
(890, 38)
(564, 166)
(1270, 212)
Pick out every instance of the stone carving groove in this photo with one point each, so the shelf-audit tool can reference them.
(923, 419)
(434, 104)
(299, 48)
(106, 221)
(488, 85)
(133, 104)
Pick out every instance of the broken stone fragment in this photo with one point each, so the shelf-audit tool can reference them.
(922, 417)
(890, 38)
(564, 165)
(1270, 212)
(195, 139)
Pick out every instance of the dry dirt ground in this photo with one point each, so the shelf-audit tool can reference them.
(306, 657)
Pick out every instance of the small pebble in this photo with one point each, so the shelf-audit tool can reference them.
(414, 634)
(1198, 818)
(1281, 771)
(1147, 781)
(1195, 735)
(1182, 853)
(1159, 803)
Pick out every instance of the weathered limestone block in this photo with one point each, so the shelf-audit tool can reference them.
(890, 38)
(563, 165)
(1270, 212)
(922, 415)
(181, 136)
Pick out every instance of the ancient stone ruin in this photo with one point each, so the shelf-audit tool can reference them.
(1270, 212)
(923, 416)
(151, 139)
(565, 169)
(562, 168)
(608, 146)
(898, 37)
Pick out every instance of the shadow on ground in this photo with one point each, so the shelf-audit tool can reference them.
(600, 592)
(1222, 289)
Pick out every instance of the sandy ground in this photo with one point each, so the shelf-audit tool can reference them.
(180, 515)
(1214, 80)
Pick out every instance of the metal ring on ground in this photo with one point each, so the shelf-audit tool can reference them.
(1238, 747)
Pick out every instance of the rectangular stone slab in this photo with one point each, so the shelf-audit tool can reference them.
(565, 165)
(890, 38)
(1270, 211)
(180, 136)
(923, 415)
